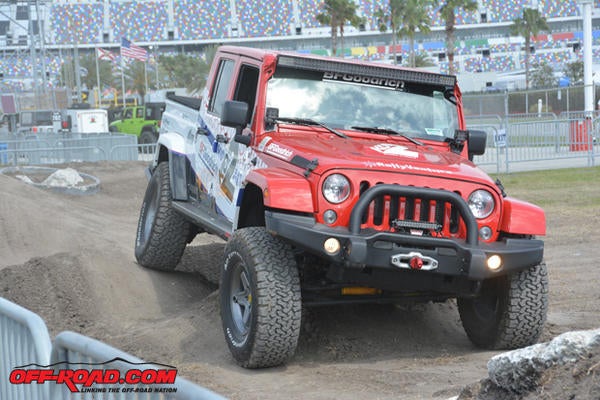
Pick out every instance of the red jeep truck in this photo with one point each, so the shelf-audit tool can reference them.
(335, 181)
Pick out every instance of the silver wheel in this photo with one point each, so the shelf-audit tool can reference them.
(240, 301)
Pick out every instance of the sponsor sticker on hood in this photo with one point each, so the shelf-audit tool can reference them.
(279, 151)
(394, 150)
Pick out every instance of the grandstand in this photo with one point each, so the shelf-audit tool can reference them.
(483, 40)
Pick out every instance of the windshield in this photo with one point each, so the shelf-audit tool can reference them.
(417, 110)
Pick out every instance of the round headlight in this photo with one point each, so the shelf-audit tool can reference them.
(481, 203)
(336, 188)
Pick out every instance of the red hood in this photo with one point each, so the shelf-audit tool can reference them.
(371, 152)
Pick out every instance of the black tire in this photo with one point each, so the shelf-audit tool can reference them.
(162, 233)
(113, 129)
(147, 137)
(510, 312)
(260, 299)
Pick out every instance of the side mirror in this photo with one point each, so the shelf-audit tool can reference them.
(235, 114)
(476, 143)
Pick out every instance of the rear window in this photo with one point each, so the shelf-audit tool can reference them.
(35, 118)
(154, 111)
(43, 118)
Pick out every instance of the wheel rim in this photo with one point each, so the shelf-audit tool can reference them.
(151, 208)
(240, 300)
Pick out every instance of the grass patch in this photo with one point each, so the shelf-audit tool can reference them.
(572, 187)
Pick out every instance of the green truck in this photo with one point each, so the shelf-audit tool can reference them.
(141, 121)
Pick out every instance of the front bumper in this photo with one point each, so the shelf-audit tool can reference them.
(369, 248)
(384, 250)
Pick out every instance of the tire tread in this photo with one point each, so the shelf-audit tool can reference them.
(170, 230)
(278, 302)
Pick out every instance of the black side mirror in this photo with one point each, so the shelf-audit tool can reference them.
(476, 143)
(235, 114)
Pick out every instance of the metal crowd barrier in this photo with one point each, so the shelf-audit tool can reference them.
(564, 142)
(62, 148)
(536, 138)
(24, 341)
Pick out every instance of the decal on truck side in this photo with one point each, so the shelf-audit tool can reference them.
(220, 165)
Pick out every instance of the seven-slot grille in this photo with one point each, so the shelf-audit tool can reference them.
(410, 214)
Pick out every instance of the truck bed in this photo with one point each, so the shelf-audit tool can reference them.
(192, 102)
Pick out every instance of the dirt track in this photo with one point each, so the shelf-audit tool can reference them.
(70, 259)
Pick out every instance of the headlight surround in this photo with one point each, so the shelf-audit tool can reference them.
(481, 203)
(336, 188)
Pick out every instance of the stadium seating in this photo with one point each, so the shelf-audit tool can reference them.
(84, 22)
(197, 20)
(309, 9)
(76, 22)
(260, 18)
(139, 21)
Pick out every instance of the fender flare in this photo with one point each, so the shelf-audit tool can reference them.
(520, 217)
(283, 189)
(171, 147)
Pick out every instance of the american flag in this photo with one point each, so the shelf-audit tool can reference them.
(130, 50)
(106, 55)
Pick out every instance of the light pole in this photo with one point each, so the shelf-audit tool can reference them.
(154, 50)
(586, 8)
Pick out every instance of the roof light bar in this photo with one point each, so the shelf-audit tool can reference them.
(367, 70)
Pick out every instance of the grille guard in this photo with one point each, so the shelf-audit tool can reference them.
(370, 194)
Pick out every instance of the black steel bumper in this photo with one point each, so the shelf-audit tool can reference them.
(455, 257)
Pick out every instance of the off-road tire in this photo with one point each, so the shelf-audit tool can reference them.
(162, 233)
(510, 312)
(147, 137)
(260, 298)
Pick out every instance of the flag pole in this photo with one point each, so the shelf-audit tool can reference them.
(122, 75)
(97, 81)
(146, 78)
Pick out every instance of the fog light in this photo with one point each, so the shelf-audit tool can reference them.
(329, 217)
(485, 233)
(332, 246)
(494, 262)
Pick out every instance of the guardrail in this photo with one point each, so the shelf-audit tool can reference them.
(24, 341)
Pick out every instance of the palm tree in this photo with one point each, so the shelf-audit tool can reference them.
(531, 24)
(448, 13)
(393, 18)
(414, 17)
(135, 75)
(336, 13)
(422, 60)
(187, 71)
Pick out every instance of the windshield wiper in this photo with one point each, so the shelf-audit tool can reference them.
(310, 122)
(386, 131)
